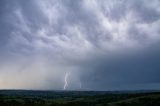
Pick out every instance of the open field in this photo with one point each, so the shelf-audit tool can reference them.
(78, 98)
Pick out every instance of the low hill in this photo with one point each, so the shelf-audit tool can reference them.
(149, 100)
(78, 98)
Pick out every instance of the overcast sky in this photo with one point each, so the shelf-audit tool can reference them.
(80, 44)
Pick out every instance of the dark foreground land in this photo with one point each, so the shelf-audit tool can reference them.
(78, 98)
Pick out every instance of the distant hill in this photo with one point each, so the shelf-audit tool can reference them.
(149, 100)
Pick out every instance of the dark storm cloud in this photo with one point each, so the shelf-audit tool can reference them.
(107, 44)
(119, 71)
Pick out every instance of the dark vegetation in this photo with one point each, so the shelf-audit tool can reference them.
(78, 98)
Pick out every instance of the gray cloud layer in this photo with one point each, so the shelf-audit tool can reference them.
(104, 45)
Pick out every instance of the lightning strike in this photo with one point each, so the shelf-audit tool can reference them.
(65, 80)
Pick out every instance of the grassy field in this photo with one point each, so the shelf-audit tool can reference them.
(78, 98)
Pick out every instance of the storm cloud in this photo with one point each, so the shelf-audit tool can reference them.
(104, 45)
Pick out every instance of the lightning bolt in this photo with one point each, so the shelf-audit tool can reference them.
(65, 80)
